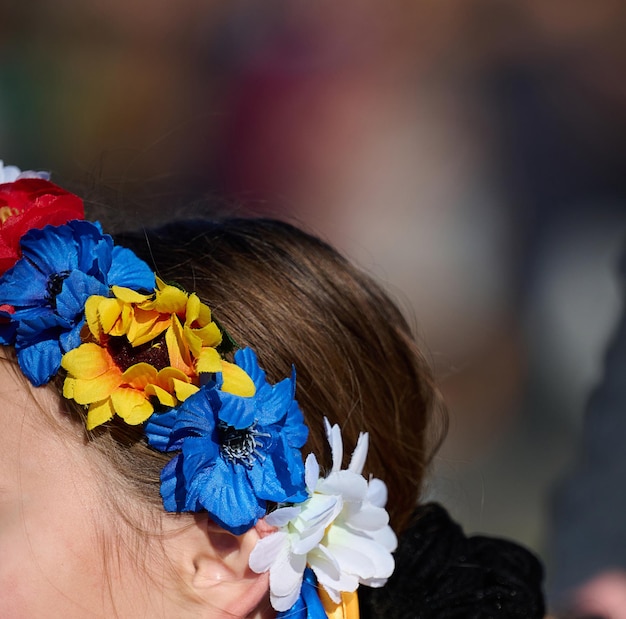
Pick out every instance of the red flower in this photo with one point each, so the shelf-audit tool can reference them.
(31, 203)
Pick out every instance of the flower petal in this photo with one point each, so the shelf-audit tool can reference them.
(99, 413)
(129, 271)
(236, 380)
(131, 405)
(87, 361)
(267, 550)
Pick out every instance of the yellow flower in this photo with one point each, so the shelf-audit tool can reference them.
(146, 348)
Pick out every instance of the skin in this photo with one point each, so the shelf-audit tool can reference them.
(53, 518)
(65, 551)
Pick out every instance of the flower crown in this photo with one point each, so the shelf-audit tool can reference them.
(133, 346)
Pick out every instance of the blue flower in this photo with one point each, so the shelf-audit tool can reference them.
(308, 605)
(236, 453)
(47, 289)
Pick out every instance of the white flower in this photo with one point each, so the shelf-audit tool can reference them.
(341, 531)
(11, 173)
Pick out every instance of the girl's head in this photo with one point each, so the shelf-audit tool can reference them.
(96, 511)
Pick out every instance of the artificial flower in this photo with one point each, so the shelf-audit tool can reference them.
(341, 532)
(191, 336)
(140, 351)
(308, 605)
(235, 453)
(30, 202)
(104, 379)
(43, 296)
(11, 173)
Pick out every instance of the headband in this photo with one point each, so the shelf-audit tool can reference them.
(128, 345)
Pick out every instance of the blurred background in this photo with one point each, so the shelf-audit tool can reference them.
(468, 153)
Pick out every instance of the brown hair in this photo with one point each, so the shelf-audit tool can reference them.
(297, 302)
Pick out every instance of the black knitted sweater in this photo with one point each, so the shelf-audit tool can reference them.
(442, 574)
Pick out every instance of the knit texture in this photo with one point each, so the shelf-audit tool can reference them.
(442, 574)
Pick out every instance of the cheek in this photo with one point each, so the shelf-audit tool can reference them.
(49, 564)
(51, 557)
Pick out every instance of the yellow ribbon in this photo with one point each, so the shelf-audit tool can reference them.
(347, 608)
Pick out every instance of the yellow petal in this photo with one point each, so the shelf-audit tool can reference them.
(170, 300)
(204, 317)
(166, 376)
(96, 389)
(193, 308)
(68, 388)
(131, 405)
(208, 360)
(99, 413)
(164, 397)
(177, 347)
(91, 315)
(109, 311)
(193, 342)
(236, 381)
(128, 295)
(124, 321)
(139, 375)
(146, 326)
(183, 389)
(210, 335)
(87, 361)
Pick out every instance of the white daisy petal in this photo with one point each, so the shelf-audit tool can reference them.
(267, 550)
(333, 434)
(386, 538)
(11, 173)
(285, 602)
(369, 518)
(359, 554)
(280, 517)
(377, 492)
(286, 574)
(329, 575)
(346, 484)
(341, 530)
(359, 455)
(311, 473)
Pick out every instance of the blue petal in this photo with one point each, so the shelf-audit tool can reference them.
(35, 324)
(236, 411)
(295, 430)
(23, 285)
(76, 289)
(173, 490)
(265, 481)
(7, 331)
(51, 250)
(68, 340)
(129, 271)
(95, 257)
(197, 415)
(158, 430)
(199, 454)
(227, 496)
(276, 403)
(246, 359)
(40, 361)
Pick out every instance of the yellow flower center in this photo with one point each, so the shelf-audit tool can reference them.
(6, 212)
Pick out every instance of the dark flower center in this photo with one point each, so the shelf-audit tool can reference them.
(125, 355)
(241, 446)
(54, 286)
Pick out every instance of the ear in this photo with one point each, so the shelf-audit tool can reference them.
(214, 567)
